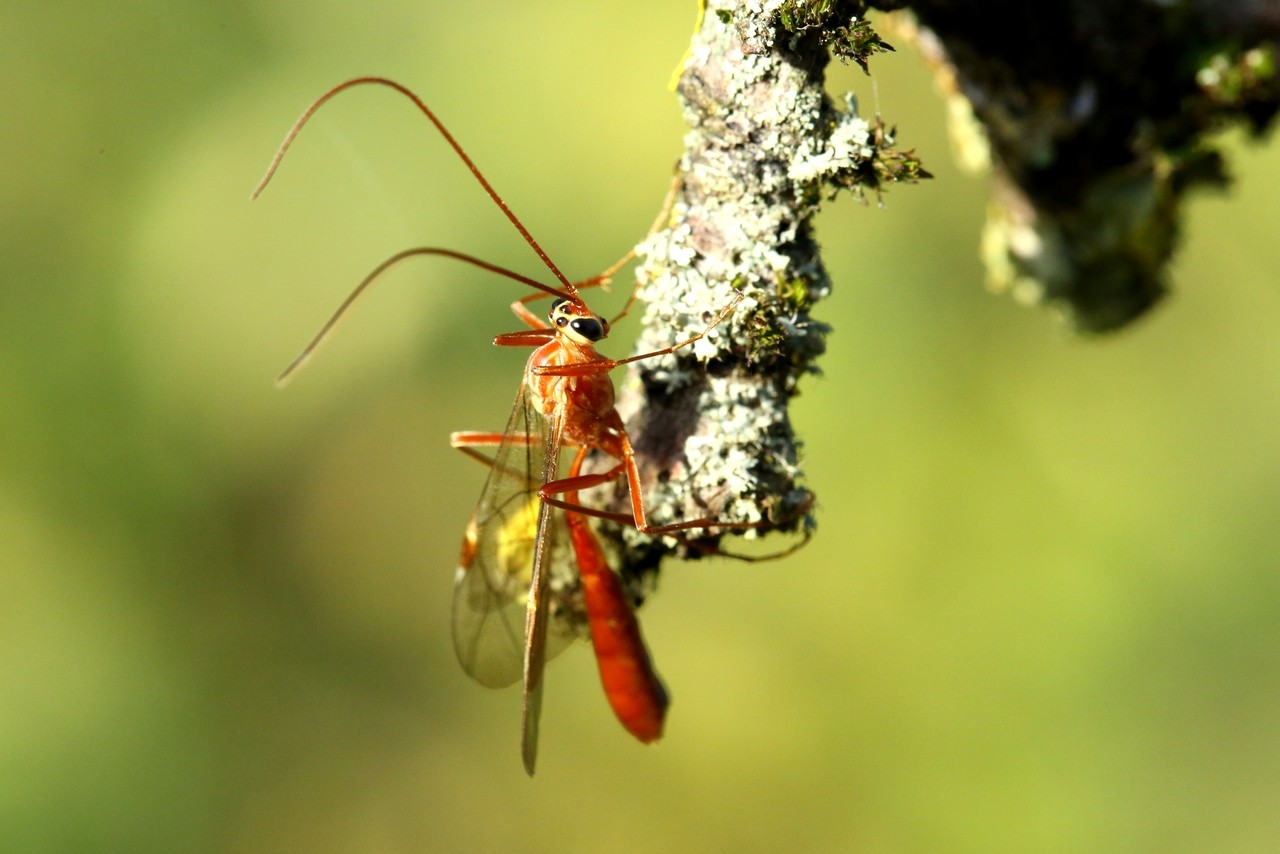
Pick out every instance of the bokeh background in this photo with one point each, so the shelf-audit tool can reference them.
(1042, 611)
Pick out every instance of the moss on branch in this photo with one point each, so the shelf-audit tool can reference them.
(1097, 120)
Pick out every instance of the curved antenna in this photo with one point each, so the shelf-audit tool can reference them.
(320, 337)
(453, 143)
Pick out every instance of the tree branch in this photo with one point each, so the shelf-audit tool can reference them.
(1097, 118)
(710, 423)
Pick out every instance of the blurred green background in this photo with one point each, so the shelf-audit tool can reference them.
(1042, 612)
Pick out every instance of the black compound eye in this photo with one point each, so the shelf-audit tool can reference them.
(589, 328)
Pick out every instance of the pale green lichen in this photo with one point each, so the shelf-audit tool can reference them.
(846, 147)
(765, 145)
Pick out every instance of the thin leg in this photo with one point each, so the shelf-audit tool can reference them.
(465, 439)
(637, 518)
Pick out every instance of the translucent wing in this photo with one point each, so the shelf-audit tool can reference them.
(494, 571)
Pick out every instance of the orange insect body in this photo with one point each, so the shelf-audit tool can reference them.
(635, 692)
(529, 521)
(566, 401)
(585, 400)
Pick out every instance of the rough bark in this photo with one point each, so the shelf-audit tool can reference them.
(765, 142)
(1095, 118)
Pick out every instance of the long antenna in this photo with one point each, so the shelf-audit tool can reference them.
(488, 188)
(320, 337)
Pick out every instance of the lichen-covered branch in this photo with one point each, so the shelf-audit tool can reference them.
(765, 143)
(1096, 118)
